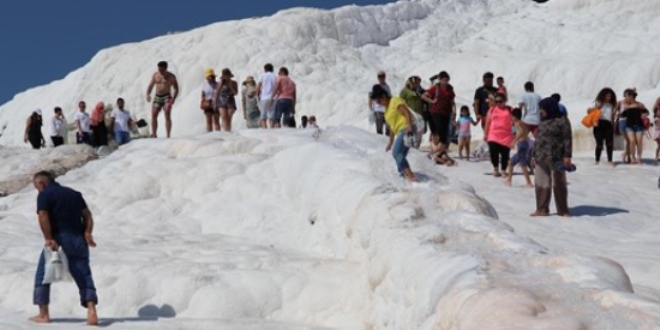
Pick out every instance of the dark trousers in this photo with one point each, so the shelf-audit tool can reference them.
(35, 141)
(499, 155)
(548, 181)
(99, 135)
(57, 140)
(380, 123)
(442, 124)
(604, 132)
(77, 253)
(85, 138)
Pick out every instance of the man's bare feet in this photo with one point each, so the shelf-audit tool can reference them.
(529, 185)
(92, 317)
(153, 136)
(539, 214)
(611, 164)
(41, 319)
(507, 182)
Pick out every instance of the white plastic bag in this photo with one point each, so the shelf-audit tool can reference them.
(56, 266)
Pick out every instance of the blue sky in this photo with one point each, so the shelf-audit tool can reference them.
(43, 40)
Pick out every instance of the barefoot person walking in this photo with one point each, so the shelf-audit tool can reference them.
(66, 222)
(554, 146)
(164, 81)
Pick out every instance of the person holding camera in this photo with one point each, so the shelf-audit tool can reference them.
(400, 121)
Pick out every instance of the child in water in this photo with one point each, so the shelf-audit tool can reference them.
(525, 146)
(464, 134)
(438, 154)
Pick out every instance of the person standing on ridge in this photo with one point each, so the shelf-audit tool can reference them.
(481, 97)
(208, 89)
(377, 109)
(82, 120)
(58, 128)
(164, 81)
(250, 103)
(33, 130)
(266, 94)
(97, 125)
(286, 94)
(120, 123)
(225, 98)
(529, 104)
(65, 222)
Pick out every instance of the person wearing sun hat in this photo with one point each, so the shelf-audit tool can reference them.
(33, 130)
(250, 102)
(210, 112)
(224, 98)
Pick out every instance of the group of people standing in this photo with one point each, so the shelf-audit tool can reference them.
(547, 152)
(627, 118)
(269, 102)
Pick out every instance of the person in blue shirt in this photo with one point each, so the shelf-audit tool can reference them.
(66, 222)
(562, 108)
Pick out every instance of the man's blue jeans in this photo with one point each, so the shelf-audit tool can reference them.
(400, 152)
(77, 253)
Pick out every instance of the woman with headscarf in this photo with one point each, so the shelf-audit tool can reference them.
(400, 121)
(553, 153)
(99, 130)
(250, 102)
(33, 130)
(412, 96)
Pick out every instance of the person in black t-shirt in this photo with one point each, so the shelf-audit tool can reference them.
(481, 97)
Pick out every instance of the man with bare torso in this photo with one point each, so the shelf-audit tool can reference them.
(164, 82)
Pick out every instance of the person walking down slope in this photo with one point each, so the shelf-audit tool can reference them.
(634, 126)
(97, 125)
(499, 135)
(210, 113)
(65, 222)
(58, 128)
(164, 81)
(377, 109)
(33, 133)
(554, 149)
(250, 103)
(399, 119)
(120, 123)
(604, 128)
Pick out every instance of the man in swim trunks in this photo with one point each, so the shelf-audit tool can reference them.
(164, 99)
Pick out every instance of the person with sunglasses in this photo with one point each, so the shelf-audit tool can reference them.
(499, 135)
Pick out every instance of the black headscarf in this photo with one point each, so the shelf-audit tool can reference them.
(551, 107)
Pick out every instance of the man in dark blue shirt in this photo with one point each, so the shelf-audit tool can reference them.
(481, 97)
(65, 221)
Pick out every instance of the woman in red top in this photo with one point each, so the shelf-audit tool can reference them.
(442, 99)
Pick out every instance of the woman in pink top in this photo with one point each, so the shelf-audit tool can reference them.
(285, 91)
(498, 134)
(97, 125)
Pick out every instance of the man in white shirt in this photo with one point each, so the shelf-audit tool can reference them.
(120, 123)
(58, 128)
(83, 120)
(529, 104)
(266, 95)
